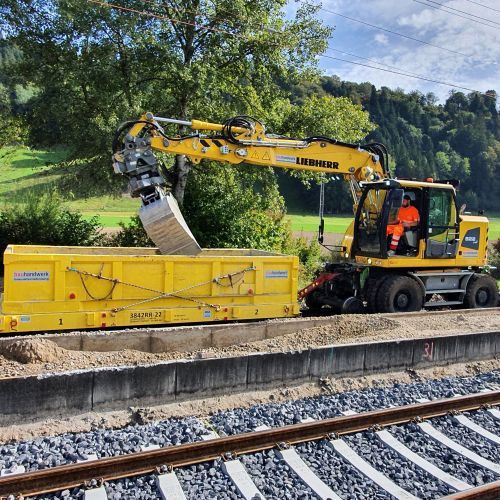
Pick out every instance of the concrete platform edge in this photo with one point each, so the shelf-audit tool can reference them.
(122, 387)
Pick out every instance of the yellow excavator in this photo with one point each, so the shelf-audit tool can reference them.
(440, 262)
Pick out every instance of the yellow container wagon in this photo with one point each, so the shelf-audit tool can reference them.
(59, 288)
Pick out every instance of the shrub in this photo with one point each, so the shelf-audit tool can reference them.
(494, 259)
(43, 220)
(309, 254)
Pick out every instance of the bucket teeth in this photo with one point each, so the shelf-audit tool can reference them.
(165, 225)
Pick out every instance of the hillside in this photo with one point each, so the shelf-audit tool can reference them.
(459, 139)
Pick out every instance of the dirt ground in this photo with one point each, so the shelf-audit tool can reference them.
(202, 408)
(34, 356)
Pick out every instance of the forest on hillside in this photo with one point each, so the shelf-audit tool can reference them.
(458, 139)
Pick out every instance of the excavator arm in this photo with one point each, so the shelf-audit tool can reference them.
(239, 140)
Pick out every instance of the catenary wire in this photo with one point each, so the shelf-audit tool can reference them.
(482, 5)
(392, 32)
(408, 75)
(456, 14)
(403, 73)
(442, 5)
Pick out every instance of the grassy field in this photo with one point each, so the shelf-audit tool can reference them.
(25, 170)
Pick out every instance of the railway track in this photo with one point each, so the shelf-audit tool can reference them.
(165, 462)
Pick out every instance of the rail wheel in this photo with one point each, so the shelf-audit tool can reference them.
(482, 291)
(399, 294)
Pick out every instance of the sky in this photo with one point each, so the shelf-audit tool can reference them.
(478, 68)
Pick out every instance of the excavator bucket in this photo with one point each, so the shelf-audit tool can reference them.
(165, 225)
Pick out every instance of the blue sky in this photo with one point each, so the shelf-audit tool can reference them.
(481, 43)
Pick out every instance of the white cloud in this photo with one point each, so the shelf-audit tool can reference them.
(381, 38)
(479, 71)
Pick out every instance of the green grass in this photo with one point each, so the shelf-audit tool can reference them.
(23, 169)
(310, 223)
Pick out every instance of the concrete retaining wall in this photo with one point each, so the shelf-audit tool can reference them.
(179, 380)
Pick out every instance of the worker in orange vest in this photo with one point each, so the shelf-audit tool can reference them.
(408, 217)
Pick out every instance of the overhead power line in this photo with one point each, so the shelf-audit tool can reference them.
(409, 75)
(482, 5)
(396, 71)
(403, 35)
(442, 8)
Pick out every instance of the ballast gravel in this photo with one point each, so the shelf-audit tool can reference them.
(328, 406)
(467, 437)
(442, 456)
(484, 419)
(399, 470)
(273, 477)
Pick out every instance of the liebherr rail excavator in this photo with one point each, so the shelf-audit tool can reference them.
(440, 262)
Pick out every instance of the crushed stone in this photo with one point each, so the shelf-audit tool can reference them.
(37, 355)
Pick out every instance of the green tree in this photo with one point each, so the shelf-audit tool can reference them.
(96, 66)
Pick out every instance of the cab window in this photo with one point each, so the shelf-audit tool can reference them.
(442, 225)
(370, 221)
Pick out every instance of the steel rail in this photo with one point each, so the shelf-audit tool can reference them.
(489, 491)
(75, 475)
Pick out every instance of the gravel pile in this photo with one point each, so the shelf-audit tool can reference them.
(273, 477)
(36, 355)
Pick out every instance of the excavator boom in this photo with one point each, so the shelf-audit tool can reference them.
(238, 140)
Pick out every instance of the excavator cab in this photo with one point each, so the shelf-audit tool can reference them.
(379, 206)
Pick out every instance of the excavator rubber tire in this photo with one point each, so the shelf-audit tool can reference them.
(371, 295)
(399, 294)
(482, 291)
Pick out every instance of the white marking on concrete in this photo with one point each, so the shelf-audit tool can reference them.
(307, 476)
(388, 439)
(169, 487)
(209, 436)
(365, 468)
(494, 413)
(240, 477)
(17, 469)
(422, 400)
(96, 494)
(90, 458)
(348, 413)
(467, 422)
(262, 427)
(446, 441)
